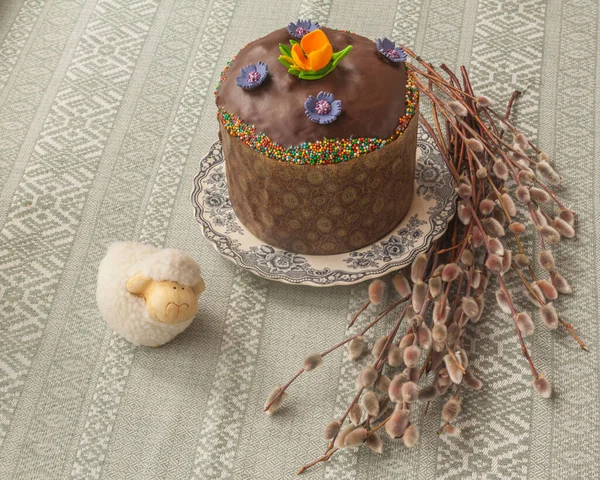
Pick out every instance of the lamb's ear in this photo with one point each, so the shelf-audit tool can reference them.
(199, 287)
(138, 284)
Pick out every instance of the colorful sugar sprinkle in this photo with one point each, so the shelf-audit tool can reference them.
(322, 152)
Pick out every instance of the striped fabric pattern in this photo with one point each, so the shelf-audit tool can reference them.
(106, 109)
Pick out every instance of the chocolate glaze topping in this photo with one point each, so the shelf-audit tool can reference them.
(372, 91)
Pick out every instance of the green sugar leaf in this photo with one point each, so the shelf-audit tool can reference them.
(285, 63)
(284, 49)
(338, 56)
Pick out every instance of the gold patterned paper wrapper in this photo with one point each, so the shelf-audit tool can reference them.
(322, 209)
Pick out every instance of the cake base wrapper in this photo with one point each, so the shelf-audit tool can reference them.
(321, 209)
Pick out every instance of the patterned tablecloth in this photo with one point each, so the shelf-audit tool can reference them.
(106, 108)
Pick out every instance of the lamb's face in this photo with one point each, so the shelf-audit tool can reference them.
(171, 302)
(167, 302)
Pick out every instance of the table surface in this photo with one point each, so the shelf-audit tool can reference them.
(106, 109)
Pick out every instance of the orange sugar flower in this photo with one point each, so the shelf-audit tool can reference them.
(313, 53)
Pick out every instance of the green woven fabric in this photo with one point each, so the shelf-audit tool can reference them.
(106, 109)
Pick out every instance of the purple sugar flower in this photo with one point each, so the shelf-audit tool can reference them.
(301, 27)
(323, 109)
(390, 51)
(252, 76)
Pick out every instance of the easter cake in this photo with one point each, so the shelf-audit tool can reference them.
(319, 130)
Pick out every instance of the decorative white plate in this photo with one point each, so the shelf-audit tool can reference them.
(432, 207)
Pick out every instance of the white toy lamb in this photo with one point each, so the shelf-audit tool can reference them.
(146, 294)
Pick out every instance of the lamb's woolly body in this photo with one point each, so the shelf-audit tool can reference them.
(127, 313)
